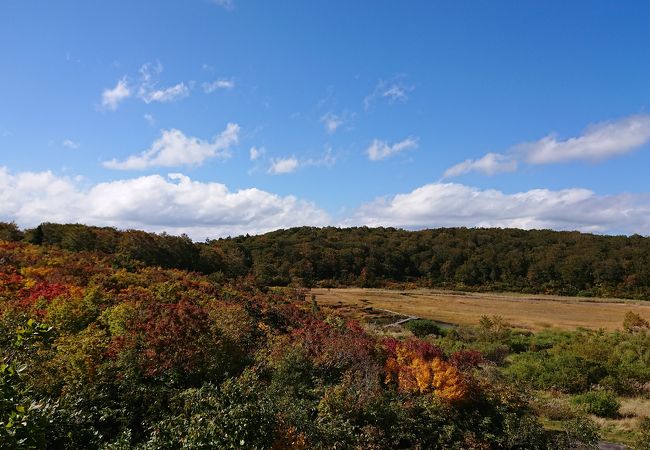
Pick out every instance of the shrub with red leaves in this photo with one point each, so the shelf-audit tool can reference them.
(46, 291)
(10, 283)
(172, 338)
(466, 359)
(416, 347)
(335, 348)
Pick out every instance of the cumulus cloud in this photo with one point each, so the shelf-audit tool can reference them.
(175, 204)
(222, 83)
(451, 204)
(490, 164)
(379, 150)
(281, 166)
(393, 90)
(111, 98)
(173, 149)
(598, 142)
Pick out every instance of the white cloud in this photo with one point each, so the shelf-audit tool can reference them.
(281, 166)
(150, 119)
(490, 164)
(29, 198)
(598, 142)
(395, 92)
(392, 90)
(174, 149)
(149, 91)
(111, 98)
(379, 150)
(256, 153)
(222, 83)
(175, 204)
(165, 95)
(228, 5)
(69, 143)
(450, 204)
(331, 122)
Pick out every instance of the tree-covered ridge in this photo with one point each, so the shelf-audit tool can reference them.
(536, 261)
(100, 356)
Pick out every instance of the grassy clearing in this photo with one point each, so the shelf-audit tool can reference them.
(532, 312)
(553, 407)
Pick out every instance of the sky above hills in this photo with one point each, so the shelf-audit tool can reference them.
(224, 117)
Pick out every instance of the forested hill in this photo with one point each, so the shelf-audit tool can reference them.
(540, 261)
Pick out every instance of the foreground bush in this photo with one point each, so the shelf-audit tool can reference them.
(238, 414)
(599, 403)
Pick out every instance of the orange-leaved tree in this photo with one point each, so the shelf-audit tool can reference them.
(418, 367)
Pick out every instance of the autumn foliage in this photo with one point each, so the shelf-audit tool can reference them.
(109, 350)
(416, 366)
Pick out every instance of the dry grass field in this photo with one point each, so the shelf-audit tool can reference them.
(533, 312)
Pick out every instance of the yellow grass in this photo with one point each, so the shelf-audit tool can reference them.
(639, 407)
(533, 312)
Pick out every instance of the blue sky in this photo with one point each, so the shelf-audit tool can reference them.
(275, 114)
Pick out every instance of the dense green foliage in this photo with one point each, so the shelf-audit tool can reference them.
(600, 403)
(575, 362)
(539, 261)
(97, 355)
(423, 327)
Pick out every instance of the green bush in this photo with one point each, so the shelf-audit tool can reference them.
(10, 232)
(237, 414)
(565, 372)
(578, 433)
(599, 403)
(423, 327)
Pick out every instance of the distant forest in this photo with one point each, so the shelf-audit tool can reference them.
(536, 261)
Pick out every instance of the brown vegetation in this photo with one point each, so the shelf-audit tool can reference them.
(533, 312)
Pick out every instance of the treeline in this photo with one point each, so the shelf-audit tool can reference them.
(132, 249)
(536, 261)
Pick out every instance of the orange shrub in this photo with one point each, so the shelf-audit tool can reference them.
(425, 372)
